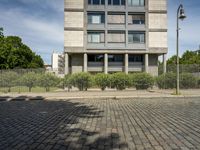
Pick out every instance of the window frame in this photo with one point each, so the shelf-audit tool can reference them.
(141, 41)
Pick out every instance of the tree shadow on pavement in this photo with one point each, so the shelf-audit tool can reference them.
(53, 125)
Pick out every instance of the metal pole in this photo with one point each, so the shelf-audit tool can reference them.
(177, 54)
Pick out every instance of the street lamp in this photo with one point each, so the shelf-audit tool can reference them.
(181, 16)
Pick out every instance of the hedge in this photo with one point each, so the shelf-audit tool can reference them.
(142, 81)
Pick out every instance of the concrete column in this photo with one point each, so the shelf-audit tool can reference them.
(66, 63)
(85, 60)
(106, 63)
(147, 63)
(164, 63)
(126, 63)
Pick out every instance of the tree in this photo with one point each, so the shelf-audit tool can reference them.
(15, 54)
(8, 79)
(48, 80)
(30, 80)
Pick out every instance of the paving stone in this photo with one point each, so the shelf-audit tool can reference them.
(128, 124)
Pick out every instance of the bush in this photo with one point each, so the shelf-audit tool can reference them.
(120, 81)
(142, 81)
(48, 80)
(8, 79)
(198, 83)
(81, 80)
(187, 80)
(30, 80)
(66, 82)
(166, 81)
(102, 80)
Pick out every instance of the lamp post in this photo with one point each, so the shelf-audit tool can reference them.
(181, 16)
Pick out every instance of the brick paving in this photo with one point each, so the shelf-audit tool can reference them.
(134, 124)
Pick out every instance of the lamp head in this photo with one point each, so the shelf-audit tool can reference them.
(182, 15)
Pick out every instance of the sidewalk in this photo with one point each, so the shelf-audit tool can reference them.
(94, 94)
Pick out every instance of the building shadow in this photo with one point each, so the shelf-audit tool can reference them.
(53, 125)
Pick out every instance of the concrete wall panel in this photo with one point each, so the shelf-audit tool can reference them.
(74, 38)
(74, 19)
(158, 39)
(74, 4)
(157, 21)
(158, 5)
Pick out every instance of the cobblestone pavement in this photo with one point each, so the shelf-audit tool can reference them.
(167, 123)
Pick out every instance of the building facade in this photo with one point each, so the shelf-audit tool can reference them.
(58, 63)
(115, 35)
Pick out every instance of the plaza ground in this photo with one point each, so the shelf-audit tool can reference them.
(101, 124)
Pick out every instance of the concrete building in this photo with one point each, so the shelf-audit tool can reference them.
(58, 63)
(115, 35)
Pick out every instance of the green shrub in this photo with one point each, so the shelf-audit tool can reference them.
(48, 80)
(30, 80)
(81, 80)
(120, 80)
(142, 81)
(198, 83)
(9, 79)
(102, 80)
(187, 80)
(166, 81)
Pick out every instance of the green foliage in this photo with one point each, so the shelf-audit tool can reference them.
(48, 80)
(65, 82)
(142, 81)
(30, 80)
(198, 82)
(81, 80)
(102, 80)
(120, 81)
(8, 79)
(15, 54)
(187, 80)
(166, 81)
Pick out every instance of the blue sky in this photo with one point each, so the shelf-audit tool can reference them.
(40, 24)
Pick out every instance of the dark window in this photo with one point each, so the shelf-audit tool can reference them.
(136, 19)
(89, 1)
(116, 2)
(115, 58)
(135, 58)
(96, 2)
(122, 2)
(95, 58)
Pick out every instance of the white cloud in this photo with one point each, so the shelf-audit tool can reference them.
(41, 34)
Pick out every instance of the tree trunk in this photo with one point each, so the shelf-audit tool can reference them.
(29, 89)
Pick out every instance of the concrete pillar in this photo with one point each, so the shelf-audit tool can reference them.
(85, 60)
(126, 63)
(66, 63)
(106, 63)
(147, 63)
(164, 63)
